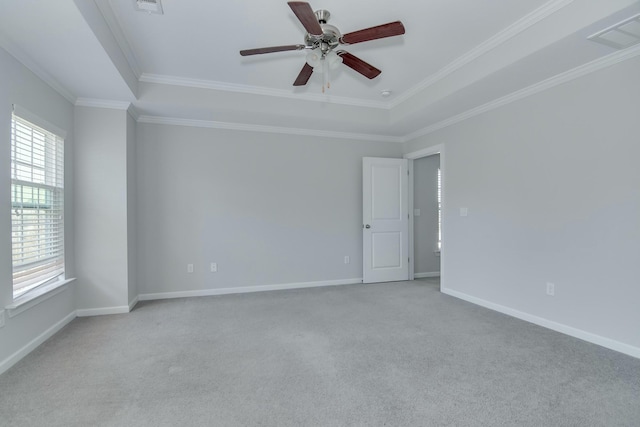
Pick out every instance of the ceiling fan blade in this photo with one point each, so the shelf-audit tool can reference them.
(381, 31)
(306, 16)
(357, 64)
(304, 75)
(271, 49)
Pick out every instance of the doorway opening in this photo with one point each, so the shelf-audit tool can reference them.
(426, 217)
(426, 202)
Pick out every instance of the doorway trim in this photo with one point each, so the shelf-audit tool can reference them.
(425, 152)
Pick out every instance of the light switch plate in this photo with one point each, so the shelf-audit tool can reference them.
(416, 212)
(551, 289)
(464, 211)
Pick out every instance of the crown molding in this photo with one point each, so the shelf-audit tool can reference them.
(256, 90)
(110, 104)
(575, 73)
(511, 31)
(268, 129)
(134, 112)
(102, 103)
(25, 60)
(580, 71)
(113, 22)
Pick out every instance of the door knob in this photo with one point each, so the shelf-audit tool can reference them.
(367, 226)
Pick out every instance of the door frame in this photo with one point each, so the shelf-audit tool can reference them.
(425, 152)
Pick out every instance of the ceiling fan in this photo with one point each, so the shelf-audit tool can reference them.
(322, 39)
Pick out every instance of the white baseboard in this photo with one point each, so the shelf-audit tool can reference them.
(540, 321)
(429, 274)
(133, 303)
(86, 312)
(246, 289)
(15, 357)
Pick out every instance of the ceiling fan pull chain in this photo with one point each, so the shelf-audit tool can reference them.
(324, 72)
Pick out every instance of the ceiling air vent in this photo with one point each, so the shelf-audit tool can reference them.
(620, 36)
(150, 6)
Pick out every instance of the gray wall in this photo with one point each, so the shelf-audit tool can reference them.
(19, 86)
(132, 245)
(101, 207)
(267, 208)
(552, 184)
(425, 226)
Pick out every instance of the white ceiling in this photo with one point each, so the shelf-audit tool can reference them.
(200, 40)
(456, 56)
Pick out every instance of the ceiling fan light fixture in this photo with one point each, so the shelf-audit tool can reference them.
(317, 60)
(314, 57)
(333, 59)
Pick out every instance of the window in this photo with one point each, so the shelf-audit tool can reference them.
(37, 205)
(439, 209)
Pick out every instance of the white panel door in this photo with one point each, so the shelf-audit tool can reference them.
(385, 220)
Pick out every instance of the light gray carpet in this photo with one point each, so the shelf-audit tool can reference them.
(395, 354)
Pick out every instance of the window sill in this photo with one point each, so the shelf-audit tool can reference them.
(35, 297)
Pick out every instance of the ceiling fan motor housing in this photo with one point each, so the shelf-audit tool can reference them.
(330, 37)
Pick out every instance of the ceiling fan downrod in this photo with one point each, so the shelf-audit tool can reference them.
(322, 15)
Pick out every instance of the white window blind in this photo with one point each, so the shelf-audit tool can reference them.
(37, 205)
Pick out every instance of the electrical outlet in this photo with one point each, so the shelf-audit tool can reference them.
(189, 268)
(214, 267)
(551, 289)
(347, 260)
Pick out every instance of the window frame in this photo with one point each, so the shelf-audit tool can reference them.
(46, 192)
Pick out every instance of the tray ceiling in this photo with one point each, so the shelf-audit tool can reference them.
(184, 64)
